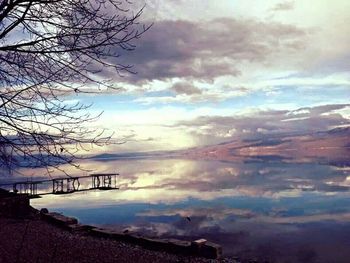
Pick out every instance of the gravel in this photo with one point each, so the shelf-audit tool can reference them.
(34, 240)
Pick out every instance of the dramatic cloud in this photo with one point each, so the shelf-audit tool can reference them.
(185, 88)
(206, 50)
(209, 71)
(262, 123)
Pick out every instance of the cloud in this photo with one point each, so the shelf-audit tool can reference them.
(206, 50)
(260, 123)
(284, 6)
(174, 127)
(192, 94)
(185, 88)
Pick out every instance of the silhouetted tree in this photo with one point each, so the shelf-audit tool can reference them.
(50, 49)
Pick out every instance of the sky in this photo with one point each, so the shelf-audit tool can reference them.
(216, 71)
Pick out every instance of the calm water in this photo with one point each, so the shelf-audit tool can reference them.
(271, 210)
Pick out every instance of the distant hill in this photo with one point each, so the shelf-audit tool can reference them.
(132, 155)
(332, 145)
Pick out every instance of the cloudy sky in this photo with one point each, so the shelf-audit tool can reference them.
(213, 71)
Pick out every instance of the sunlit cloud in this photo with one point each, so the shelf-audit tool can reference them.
(209, 72)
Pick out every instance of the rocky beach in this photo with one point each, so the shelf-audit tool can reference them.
(34, 240)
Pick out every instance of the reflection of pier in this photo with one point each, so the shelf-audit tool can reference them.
(65, 185)
(102, 181)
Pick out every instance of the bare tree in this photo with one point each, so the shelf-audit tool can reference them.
(50, 49)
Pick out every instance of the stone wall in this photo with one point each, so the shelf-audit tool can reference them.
(200, 247)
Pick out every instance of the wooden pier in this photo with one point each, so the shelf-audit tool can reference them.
(64, 185)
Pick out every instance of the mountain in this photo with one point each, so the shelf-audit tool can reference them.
(331, 146)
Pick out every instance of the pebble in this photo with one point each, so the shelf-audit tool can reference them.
(34, 240)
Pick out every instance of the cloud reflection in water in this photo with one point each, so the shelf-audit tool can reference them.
(269, 210)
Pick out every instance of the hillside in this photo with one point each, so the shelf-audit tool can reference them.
(333, 145)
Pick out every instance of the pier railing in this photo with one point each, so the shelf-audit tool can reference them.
(64, 185)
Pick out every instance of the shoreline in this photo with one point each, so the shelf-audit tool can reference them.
(30, 235)
(199, 248)
(33, 239)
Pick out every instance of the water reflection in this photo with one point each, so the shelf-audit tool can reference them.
(272, 210)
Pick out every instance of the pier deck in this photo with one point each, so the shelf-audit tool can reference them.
(64, 185)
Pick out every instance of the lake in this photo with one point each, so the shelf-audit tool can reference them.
(269, 209)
